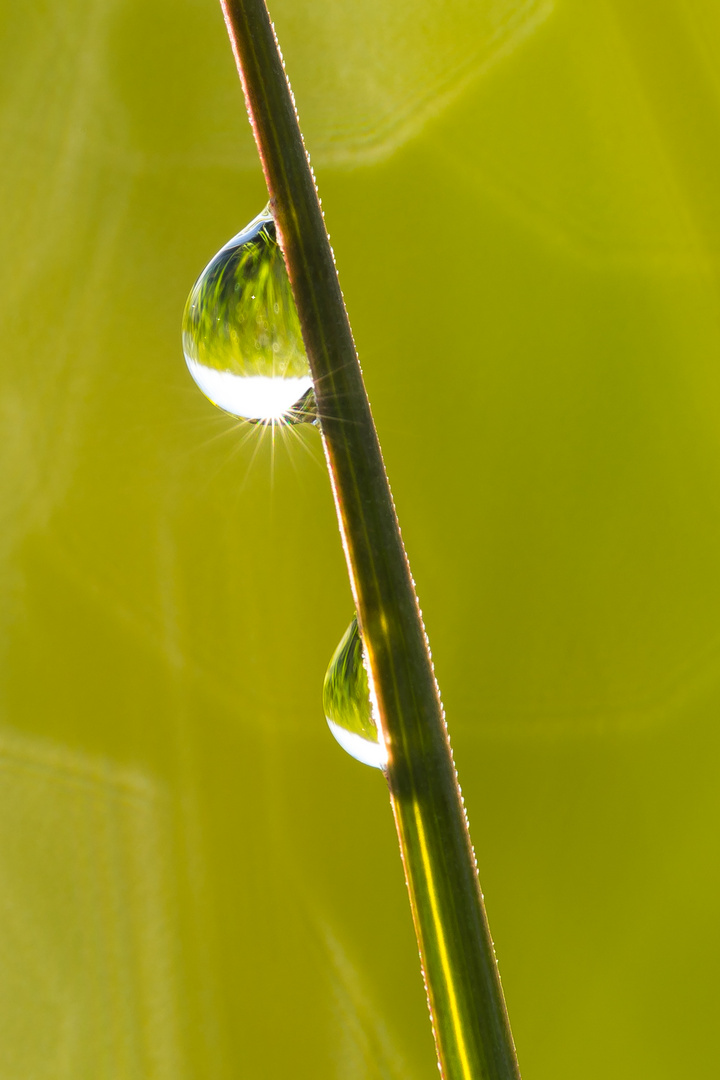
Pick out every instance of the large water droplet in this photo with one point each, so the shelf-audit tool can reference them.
(346, 699)
(241, 333)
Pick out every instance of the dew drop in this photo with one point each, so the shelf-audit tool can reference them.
(241, 332)
(346, 699)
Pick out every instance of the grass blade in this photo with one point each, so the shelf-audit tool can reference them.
(470, 1023)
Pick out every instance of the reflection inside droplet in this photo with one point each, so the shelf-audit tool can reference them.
(241, 333)
(254, 397)
(347, 704)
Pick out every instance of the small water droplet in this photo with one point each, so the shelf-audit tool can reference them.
(346, 699)
(241, 332)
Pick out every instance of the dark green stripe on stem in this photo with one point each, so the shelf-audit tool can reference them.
(472, 1033)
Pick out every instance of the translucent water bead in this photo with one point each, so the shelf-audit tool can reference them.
(241, 333)
(346, 700)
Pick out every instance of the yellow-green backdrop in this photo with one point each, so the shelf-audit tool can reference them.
(524, 203)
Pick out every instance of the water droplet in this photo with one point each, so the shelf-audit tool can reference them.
(346, 699)
(241, 332)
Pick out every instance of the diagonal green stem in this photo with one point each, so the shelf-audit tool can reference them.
(472, 1032)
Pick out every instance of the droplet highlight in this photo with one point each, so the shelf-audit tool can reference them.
(241, 333)
(347, 704)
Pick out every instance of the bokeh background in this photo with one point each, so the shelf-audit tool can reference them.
(524, 203)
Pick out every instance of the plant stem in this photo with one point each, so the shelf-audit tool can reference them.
(472, 1032)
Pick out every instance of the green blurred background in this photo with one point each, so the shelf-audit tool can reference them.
(524, 203)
